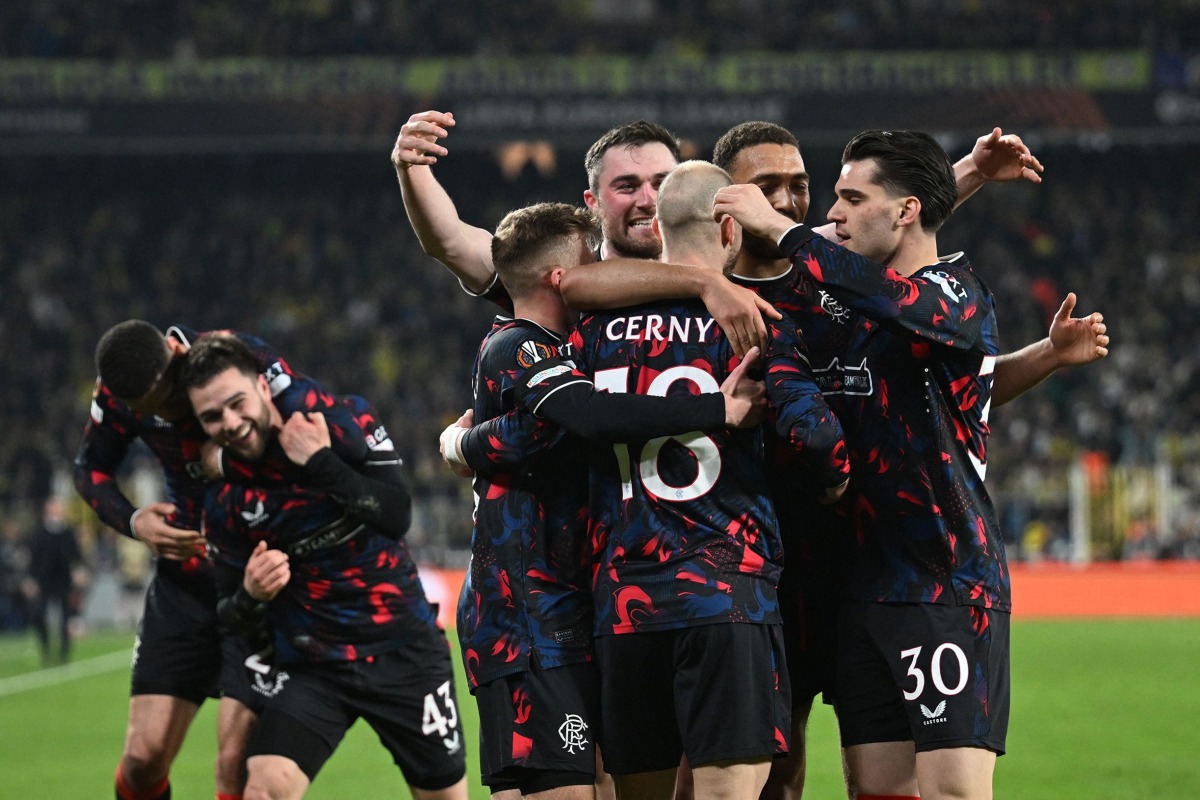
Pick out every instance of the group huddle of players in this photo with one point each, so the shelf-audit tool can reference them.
(752, 475)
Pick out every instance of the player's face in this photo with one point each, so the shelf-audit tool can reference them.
(627, 197)
(779, 171)
(236, 412)
(865, 215)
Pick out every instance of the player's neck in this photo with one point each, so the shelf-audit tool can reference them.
(751, 266)
(913, 253)
(702, 257)
(549, 312)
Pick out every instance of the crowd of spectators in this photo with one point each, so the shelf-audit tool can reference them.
(150, 29)
(313, 253)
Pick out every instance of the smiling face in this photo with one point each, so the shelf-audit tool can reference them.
(779, 171)
(236, 412)
(866, 216)
(626, 197)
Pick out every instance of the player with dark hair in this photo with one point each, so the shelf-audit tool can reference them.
(525, 616)
(180, 657)
(923, 637)
(624, 169)
(311, 538)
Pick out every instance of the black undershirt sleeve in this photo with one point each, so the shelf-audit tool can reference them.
(610, 416)
(237, 611)
(375, 492)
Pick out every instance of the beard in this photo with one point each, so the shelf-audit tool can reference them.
(761, 248)
(624, 245)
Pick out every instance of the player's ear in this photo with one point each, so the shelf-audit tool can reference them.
(910, 212)
(590, 200)
(555, 278)
(654, 226)
(729, 230)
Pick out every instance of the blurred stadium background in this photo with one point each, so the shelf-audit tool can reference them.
(225, 164)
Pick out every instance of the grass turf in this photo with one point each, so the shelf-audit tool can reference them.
(1100, 709)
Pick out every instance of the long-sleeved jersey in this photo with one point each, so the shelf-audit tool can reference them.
(907, 364)
(527, 588)
(683, 532)
(354, 590)
(111, 431)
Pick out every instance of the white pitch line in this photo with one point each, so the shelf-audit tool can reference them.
(54, 676)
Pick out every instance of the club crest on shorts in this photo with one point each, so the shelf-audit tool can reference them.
(531, 352)
(572, 731)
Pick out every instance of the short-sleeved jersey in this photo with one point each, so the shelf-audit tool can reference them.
(111, 431)
(907, 364)
(353, 591)
(682, 528)
(526, 591)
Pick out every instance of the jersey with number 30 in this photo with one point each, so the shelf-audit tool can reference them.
(910, 377)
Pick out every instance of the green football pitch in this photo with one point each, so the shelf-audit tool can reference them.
(1101, 709)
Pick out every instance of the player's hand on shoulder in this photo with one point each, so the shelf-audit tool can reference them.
(150, 524)
(303, 434)
(739, 313)
(210, 460)
(745, 396)
(267, 572)
(418, 139)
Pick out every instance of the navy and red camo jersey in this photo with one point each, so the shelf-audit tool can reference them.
(354, 592)
(682, 530)
(111, 431)
(526, 590)
(907, 365)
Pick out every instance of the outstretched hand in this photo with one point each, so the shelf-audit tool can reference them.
(418, 139)
(1078, 340)
(1003, 156)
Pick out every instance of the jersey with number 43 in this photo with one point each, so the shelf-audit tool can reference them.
(682, 527)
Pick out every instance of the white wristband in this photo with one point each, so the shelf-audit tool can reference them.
(449, 444)
(132, 517)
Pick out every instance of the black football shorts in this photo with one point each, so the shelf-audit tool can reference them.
(407, 696)
(178, 646)
(542, 721)
(715, 692)
(936, 675)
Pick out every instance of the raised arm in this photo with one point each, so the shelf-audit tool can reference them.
(1073, 341)
(465, 249)
(997, 156)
